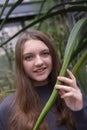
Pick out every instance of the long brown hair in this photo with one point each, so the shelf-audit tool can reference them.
(26, 103)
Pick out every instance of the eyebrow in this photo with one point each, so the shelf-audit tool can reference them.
(28, 53)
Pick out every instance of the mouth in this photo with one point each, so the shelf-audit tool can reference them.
(40, 70)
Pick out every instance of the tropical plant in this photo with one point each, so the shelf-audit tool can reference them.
(72, 41)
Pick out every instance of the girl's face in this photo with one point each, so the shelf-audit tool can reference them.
(37, 61)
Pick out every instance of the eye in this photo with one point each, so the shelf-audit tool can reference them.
(45, 53)
(28, 58)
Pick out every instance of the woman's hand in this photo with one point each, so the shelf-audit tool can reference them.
(70, 92)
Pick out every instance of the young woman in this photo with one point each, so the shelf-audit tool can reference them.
(37, 68)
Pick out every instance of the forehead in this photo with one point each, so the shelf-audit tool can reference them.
(34, 45)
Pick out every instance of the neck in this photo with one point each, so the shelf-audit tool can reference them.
(42, 83)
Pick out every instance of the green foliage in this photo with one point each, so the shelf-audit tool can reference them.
(6, 3)
(72, 41)
(7, 78)
(82, 78)
(9, 12)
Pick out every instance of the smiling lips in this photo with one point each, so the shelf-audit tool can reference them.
(40, 71)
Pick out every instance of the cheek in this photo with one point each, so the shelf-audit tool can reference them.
(27, 67)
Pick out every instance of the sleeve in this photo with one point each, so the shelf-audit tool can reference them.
(81, 116)
(2, 120)
(1, 125)
(5, 113)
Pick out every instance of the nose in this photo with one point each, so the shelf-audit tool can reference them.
(38, 61)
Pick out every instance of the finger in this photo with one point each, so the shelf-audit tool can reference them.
(61, 92)
(64, 88)
(70, 74)
(70, 81)
(69, 94)
(72, 94)
(65, 80)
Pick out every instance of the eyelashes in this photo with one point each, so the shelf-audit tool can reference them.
(45, 54)
(30, 57)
